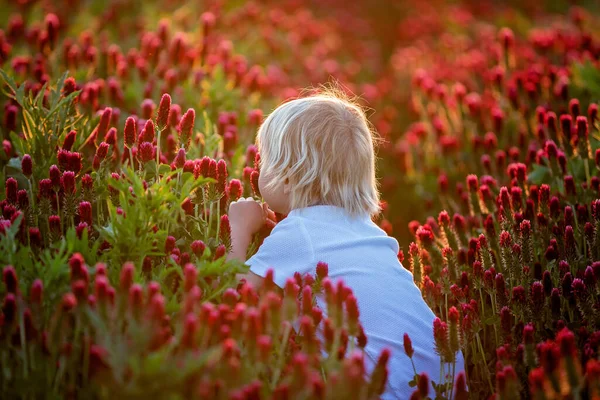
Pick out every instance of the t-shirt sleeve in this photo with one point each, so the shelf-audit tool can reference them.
(288, 249)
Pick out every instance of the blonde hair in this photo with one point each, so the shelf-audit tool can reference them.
(325, 146)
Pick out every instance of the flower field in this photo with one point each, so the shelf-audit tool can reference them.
(127, 129)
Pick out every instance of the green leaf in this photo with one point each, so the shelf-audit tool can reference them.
(164, 169)
(539, 175)
(491, 320)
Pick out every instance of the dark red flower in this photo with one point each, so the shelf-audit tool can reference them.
(198, 247)
(11, 190)
(147, 152)
(27, 165)
(67, 182)
(10, 279)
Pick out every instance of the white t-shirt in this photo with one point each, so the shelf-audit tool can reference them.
(365, 258)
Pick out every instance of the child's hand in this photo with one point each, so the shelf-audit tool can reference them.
(247, 216)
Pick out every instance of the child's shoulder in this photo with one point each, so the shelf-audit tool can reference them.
(292, 228)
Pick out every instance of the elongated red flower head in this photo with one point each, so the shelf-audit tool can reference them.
(130, 131)
(164, 108)
(27, 165)
(186, 127)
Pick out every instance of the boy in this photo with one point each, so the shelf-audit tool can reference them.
(317, 165)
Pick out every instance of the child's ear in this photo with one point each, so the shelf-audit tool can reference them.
(286, 186)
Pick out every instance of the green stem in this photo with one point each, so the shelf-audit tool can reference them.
(131, 159)
(484, 362)
(24, 344)
(210, 218)
(158, 152)
(218, 218)
(495, 312)
(587, 172)
(280, 359)
(452, 378)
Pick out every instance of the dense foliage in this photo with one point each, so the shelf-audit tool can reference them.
(128, 127)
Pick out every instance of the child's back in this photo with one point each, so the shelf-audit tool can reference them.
(365, 258)
(317, 165)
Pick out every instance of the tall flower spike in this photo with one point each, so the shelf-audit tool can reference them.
(104, 122)
(186, 127)
(408, 347)
(164, 108)
(254, 183)
(130, 131)
(27, 165)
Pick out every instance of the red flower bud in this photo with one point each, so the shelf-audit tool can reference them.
(220, 251)
(408, 348)
(126, 277)
(130, 131)
(69, 140)
(85, 212)
(423, 385)
(69, 302)
(147, 152)
(190, 275)
(322, 270)
(27, 165)
(566, 125)
(186, 127)
(102, 150)
(472, 183)
(528, 332)
(189, 166)
(11, 281)
(225, 229)
(11, 190)
(164, 108)
(221, 175)
(353, 313)
(67, 182)
(198, 247)
(254, 183)
(104, 122)
(9, 309)
(54, 222)
(148, 107)
(235, 189)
